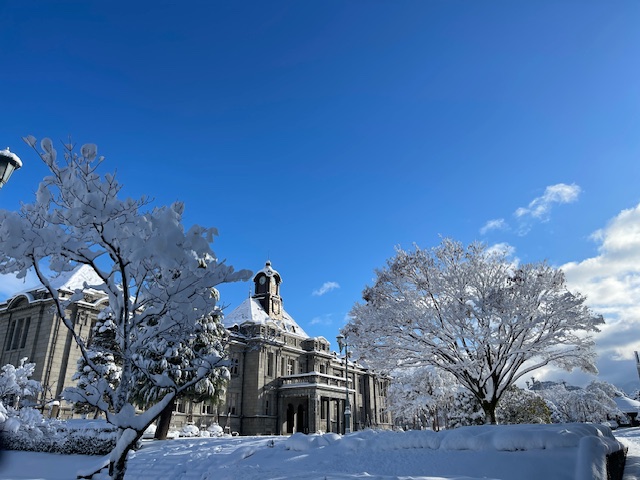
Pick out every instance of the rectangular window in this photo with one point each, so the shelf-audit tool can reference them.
(16, 335)
(232, 405)
(270, 364)
(25, 332)
(323, 409)
(12, 327)
(266, 407)
(291, 366)
(235, 362)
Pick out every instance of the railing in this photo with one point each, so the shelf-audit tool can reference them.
(313, 377)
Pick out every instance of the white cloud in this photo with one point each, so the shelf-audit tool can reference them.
(611, 283)
(325, 288)
(540, 207)
(325, 319)
(496, 224)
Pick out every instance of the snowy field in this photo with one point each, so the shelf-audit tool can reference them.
(514, 452)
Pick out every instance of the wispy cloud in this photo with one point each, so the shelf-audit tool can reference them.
(540, 207)
(611, 283)
(496, 224)
(538, 210)
(325, 319)
(325, 288)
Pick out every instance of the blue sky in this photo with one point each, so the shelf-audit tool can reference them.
(321, 134)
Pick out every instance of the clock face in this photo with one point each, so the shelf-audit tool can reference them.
(262, 280)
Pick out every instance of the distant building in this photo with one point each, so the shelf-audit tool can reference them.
(282, 380)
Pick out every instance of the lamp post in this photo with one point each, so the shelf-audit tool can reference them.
(342, 342)
(8, 163)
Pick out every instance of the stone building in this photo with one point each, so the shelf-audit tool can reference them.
(30, 327)
(283, 381)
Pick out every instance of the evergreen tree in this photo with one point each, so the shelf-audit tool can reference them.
(522, 406)
(104, 352)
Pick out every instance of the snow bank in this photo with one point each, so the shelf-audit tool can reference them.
(591, 443)
(518, 452)
(478, 438)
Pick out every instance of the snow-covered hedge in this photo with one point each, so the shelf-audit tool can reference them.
(54, 436)
(597, 453)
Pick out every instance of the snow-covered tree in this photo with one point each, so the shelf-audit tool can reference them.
(475, 314)
(518, 405)
(104, 352)
(157, 276)
(16, 384)
(173, 357)
(465, 409)
(421, 397)
(595, 403)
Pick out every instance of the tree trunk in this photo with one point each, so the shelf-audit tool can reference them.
(164, 421)
(118, 462)
(490, 412)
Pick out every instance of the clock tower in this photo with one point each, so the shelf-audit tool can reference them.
(267, 291)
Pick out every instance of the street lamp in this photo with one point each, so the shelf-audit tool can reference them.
(342, 342)
(8, 163)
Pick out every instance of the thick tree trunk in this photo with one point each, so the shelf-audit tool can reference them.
(490, 412)
(164, 421)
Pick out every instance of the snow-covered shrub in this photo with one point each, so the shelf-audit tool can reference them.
(96, 439)
(465, 410)
(215, 430)
(190, 431)
(55, 436)
(16, 386)
(522, 406)
(150, 432)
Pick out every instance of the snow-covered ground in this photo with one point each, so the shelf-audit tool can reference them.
(514, 452)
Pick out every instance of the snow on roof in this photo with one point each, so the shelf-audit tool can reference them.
(268, 271)
(67, 281)
(250, 311)
(76, 278)
(627, 405)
